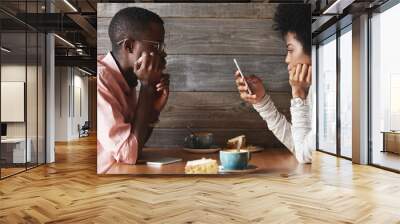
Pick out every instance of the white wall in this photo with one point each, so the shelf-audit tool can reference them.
(80, 102)
(61, 103)
(33, 127)
(12, 73)
(16, 73)
(70, 83)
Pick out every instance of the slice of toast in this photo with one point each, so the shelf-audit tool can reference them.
(238, 142)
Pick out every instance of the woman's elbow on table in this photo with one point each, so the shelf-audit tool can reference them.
(304, 158)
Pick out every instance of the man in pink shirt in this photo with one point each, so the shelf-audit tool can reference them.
(138, 56)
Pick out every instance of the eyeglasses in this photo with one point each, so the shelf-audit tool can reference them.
(160, 46)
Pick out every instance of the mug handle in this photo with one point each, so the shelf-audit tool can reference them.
(189, 141)
(249, 156)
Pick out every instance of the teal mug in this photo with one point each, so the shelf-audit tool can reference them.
(234, 159)
(199, 140)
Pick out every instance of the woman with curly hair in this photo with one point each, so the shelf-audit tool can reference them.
(294, 24)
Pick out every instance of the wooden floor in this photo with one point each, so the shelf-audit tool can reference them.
(330, 191)
(5, 172)
(387, 159)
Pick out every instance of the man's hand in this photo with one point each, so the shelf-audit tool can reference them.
(148, 68)
(300, 80)
(162, 89)
(256, 86)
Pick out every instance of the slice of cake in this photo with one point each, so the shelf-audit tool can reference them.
(201, 166)
(238, 142)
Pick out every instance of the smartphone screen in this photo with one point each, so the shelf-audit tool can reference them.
(241, 74)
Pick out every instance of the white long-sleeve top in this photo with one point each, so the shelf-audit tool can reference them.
(299, 136)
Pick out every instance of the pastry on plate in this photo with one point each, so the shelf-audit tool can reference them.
(238, 142)
(201, 166)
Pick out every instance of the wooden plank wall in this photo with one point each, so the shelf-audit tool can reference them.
(202, 39)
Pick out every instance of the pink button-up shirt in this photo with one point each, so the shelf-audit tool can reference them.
(116, 103)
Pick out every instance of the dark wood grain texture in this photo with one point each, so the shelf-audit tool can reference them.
(205, 73)
(211, 36)
(204, 10)
(174, 137)
(216, 72)
(202, 39)
(215, 110)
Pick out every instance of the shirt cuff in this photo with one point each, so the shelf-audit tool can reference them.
(300, 109)
(260, 105)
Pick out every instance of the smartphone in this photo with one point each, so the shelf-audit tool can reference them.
(241, 74)
(163, 161)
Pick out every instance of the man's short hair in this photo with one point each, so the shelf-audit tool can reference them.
(130, 22)
(295, 18)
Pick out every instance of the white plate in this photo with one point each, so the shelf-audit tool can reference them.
(201, 151)
(250, 168)
(254, 148)
(251, 148)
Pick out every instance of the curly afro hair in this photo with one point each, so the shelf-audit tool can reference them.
(296, 19)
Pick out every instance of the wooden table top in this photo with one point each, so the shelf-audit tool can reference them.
(268, 160)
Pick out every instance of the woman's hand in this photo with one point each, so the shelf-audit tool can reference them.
(256, 86)
(300, 80)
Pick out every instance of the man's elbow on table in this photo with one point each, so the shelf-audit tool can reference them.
(129, 152)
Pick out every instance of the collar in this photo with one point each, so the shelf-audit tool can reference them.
(111, 64)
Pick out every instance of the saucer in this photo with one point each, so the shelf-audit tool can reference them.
(254, 148)
(250, 148)
(250, 168)
(212, 149)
